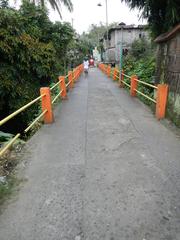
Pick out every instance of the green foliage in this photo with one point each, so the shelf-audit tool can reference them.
(141, 62)
(55, 4)
(32, 51)
(4, 4)
(173, 108)
(95, 33)
(5, 137)
(77, 50)
(161, 15)
(140, 47)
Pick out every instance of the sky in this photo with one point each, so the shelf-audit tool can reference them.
(86, 12)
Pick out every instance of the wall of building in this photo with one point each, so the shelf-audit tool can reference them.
(129, 35)
(168, 71)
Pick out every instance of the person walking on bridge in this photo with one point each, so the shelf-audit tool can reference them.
(86, 65)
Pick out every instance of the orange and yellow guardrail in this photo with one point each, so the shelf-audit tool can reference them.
(161, 89)
(46, 103)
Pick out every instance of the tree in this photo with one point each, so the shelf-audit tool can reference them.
(56, 4)
(162, 15)
(4, 4)
(32, 51)
(96, 32)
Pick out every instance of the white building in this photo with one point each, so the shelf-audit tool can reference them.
(125, 34)
(96, 55)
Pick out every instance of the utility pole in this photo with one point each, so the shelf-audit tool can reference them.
(100, 5)
(121, 51)
(107, 57)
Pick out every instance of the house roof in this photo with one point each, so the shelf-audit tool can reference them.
(168, 35)
(126, 27)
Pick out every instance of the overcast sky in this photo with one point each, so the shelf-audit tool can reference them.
(86, 12)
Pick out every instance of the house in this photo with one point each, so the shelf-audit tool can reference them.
(124, 34)
(168, 69)
(96, 55)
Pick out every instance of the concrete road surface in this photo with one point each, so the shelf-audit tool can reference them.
(105, 170)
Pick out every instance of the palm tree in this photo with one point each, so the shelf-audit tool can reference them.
(56, 4)
(161, 14)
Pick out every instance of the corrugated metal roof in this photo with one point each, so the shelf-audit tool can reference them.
(168, 35)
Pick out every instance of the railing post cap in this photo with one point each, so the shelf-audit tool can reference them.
(163, 84)
(45, 88)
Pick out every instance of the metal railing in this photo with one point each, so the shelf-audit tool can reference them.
(46, 103)
(20, 110)
(132, 82)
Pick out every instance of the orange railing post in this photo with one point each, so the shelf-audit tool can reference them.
(79, 71)
(109, 71)
(104, 69)
(114, 74)
(75, 74)
(62, 87)
(161, 100)
(121, 79)
(46, 104)
(70, 78)
(134, 84)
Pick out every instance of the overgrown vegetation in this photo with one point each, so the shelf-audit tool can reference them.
(173, 110)
(141, 61)
(34, 51)
(7, 164)
(94, 35)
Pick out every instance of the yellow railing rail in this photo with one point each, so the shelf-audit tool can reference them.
(57, 96)
(9, 144)
(45, 97)
(145, 83)
(146, 96)
(54, 86)
(126, 75)
(161, 89)
(20, 110)
(35, 121)
(128, 85)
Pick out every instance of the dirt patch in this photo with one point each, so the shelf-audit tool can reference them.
(8, 164)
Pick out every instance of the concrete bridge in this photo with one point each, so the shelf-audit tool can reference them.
(105, 170)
